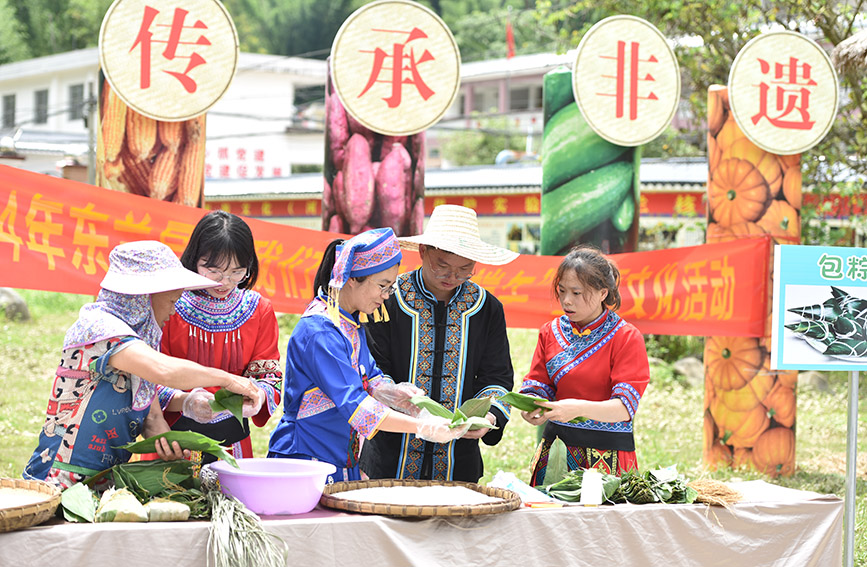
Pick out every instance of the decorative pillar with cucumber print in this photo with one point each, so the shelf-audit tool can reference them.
(749, 409)
(590, 187)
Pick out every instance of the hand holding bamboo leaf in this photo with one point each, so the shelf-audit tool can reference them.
(187, 439)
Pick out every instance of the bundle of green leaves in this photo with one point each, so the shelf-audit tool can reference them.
(472, 411)
(524, 402)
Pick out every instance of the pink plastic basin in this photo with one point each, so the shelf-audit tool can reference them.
(275, 487)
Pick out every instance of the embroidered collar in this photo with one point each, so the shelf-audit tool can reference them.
(216, 314)
(419, 283)
(584, 331)
(319, 305)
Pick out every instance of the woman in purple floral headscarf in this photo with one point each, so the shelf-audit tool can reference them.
(110, 365)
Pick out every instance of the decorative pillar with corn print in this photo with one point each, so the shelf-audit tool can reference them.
(161, 69)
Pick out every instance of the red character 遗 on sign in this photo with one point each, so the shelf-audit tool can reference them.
(630, 73)
(400, 62)
(173, 43)
(792, 94)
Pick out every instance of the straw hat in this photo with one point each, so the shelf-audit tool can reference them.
(455, 229)
(147, 266)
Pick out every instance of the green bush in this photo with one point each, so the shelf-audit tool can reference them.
(672, 348)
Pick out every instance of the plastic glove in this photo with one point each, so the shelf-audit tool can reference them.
(436, 429)
(196, 406)
(397, 396)
(252, 407)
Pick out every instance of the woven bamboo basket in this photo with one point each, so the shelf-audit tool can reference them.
(509, 500)
(26, 515)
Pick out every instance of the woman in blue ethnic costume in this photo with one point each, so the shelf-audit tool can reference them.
(230, 327)
(110, 366)
(591, 364)
(447, 336)
(334, 393)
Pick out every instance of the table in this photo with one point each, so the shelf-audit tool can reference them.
(773, 526)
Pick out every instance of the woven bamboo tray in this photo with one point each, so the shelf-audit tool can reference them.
(19, 517)
(509, 499)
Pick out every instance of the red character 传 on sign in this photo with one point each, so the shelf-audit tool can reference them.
(173, 43)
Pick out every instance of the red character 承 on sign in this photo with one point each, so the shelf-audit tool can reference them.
(400, 62)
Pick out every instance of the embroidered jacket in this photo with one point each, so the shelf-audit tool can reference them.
(454, 351)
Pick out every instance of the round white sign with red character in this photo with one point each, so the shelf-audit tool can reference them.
(626, 80)
(395, 66)
(783, 92)
(169, 60)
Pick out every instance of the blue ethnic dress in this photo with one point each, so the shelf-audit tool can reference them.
(326, 406)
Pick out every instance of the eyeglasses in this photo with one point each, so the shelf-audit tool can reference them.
(442, 272)
(235, 276)
(387, 290)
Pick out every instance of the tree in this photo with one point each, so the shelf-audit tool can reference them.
(56, 26)
(14, 45)
(481, 34)
(723, 28)
(480, 146)
(303, 28)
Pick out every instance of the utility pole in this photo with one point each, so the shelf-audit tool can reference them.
(90, 107)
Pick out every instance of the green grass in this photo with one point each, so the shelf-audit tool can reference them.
(668, 426)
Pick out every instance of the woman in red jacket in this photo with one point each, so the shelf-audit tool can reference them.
(230, 327)
(590, 364)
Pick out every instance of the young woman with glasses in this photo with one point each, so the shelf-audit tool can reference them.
(230, 327)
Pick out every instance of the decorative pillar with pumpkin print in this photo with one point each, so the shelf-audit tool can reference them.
(749, 409)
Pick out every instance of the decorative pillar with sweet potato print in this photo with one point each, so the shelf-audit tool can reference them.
(393, 72)
(749, 409)
(371, 180)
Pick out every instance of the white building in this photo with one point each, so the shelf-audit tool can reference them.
(255, 130)
(262, 130)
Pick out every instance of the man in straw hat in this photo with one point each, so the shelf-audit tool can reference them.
(446, 335)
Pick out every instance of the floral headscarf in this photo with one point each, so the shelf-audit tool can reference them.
(115, 315)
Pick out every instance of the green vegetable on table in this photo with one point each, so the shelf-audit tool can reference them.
(78, 503)
(227, 400)
(471, 411)
(187, 440)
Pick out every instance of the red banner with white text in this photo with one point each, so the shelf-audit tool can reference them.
(55, 235)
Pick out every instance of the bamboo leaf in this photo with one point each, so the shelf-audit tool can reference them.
(457, 418)
(187, 440)
(227, 400)
(435, 408)
(530, 403)
(78, 503)
(557, 465)
(476, 407)
(523, 402)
